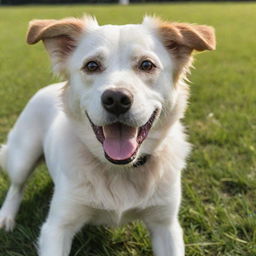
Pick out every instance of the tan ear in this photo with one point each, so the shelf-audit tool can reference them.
(181, 39)
(195, 37)
(60, 38)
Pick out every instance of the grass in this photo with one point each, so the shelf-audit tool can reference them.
(218, 212)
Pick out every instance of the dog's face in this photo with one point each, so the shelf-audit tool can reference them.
(123, 80)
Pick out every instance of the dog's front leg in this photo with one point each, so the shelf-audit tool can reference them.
(167, 240)
(64, 220)
(55, 240)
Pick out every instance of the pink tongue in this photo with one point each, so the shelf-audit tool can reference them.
(120, 141)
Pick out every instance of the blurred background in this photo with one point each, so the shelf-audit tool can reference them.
(11, 2)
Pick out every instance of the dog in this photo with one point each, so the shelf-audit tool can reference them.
(111, 134)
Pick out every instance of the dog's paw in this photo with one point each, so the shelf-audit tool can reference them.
(6, 223)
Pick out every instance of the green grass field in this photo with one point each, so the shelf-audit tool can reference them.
(218, 212)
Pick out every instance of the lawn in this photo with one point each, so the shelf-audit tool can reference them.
(218, 211)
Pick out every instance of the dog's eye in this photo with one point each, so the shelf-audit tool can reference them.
(92, 66)
(146, 65)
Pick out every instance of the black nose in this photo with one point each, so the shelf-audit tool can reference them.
(117, 101)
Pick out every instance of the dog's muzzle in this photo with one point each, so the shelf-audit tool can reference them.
(120, 141)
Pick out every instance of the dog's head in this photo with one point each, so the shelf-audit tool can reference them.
(125, 86)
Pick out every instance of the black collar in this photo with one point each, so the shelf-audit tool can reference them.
(141, 160)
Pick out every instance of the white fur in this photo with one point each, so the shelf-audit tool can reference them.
(3, 156)
(88, 188)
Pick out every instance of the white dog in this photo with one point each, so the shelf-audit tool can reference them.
(111, 135)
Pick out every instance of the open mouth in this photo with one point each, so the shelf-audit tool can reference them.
(121, 142)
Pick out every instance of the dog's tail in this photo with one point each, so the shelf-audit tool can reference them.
(3, 155)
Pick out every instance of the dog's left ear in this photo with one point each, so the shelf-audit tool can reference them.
(60, 38)
(181, 39)
(194, 37)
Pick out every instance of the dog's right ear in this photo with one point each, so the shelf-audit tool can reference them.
(60, 38)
